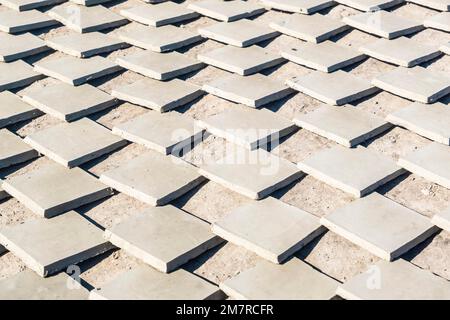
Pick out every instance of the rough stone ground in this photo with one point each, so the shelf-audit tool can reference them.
(329, 253)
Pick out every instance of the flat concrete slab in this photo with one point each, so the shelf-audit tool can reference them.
(442, 5)
(445, 48)
(76, 71)
(370, 5)
(242, 33)
(271, 228)
(249, 128)
(48, 246)
(254, 91)
(298, 6)
(24, 5)
(401, 51)
(326, 56)
(160, 66)
(357, 171)
(72, 144)
(315, 28)
(442, 219)
(431, 162)
(13, 109)
(12, 21)
(85, 45)
(88, 19)
(153, 178)
(346, 125)
(294, 280)
(159, 14)
(226, 11)
(158, 95)
(254, 174)
(53, 189)
(398, 280)
(380, 225)
(383, 24)
(89, 3)
(164, 237)
(26, 285)
(14, 47)
(13, 150)
(166, 133)
(17, 74)
(145, 283)
(243, 61)
(158, 39)
(440, 21)
(430, 121)
(79, 101)
(337, 88)
(418, 84)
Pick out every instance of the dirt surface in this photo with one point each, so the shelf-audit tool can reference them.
(330, 253)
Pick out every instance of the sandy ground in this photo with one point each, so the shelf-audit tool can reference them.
(330, 253)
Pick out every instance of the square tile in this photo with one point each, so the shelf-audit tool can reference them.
(442, 5)
(79, 101)
(153, 178)
(159, 39)
(72, 144)
(431, 162)
(299, 6)
(159, 14)
(167, 133)
(294, 280)
(346, 125)
(227, 11)
(326, 56)
(242, 33)
(164, 237)
(254, 174)
(158, 95)
(87, 19)
(27, 285)
(243, 61)
(13, 150)
(160, 66)
(14, 22)
(249, 128)
(442, 219)
(430, 121)
(48, 246)
(53, 189)
(145, 283)
(85, 45)
(17, 74)
(418, 84)
(440, 21)
(14, 47)
(380, 225)
(271, 228)
(398, 280)
(24, 5)
(76, 71)
(370, 5)
(357, 171)
(337, 88)
(13, 109)
(314, 28)
(401, 51)
(445, 48)
(254, 91)
(383, 24)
